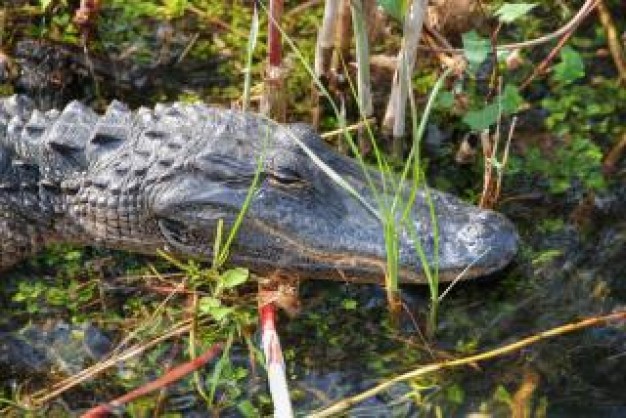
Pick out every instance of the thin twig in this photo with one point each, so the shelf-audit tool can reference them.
(352, 127)
(541, 68)
(571, 25)
(42, 397)
(344, 404)
(170, 377)
(609, 165)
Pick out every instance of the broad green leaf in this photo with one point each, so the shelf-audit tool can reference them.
(475, 48)
(511, 99)
(445, 100)
(394, 8)
(211, 306)
(246, 409)
(207, 303)
(234, 277)
(512, 11)
(571, 67)
(483, 118)
(220, 313)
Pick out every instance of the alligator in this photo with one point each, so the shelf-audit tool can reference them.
(163, 178)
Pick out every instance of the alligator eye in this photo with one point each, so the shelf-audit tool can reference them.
(285, 177)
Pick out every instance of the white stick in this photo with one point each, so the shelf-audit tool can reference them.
(275, 363)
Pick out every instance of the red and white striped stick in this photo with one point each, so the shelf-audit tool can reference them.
(274, 362)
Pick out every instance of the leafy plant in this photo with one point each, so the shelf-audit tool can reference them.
(580, 117)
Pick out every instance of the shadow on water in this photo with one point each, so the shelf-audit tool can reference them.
(342, 343)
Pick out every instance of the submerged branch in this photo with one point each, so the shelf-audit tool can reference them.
(344, 404)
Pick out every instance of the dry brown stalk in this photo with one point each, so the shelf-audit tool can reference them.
(394, 119)
(353, 127)
(609, 165)
(344, 404)
(273, 101)
(612, 39)
(521, 402)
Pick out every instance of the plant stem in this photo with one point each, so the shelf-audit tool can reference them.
(273, 103)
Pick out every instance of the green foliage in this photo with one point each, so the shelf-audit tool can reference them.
(507, 103)
(37, 295)
(455, 394)
(394, 8)
(571, 67)
(349, 304)
(580, 117)
(509, 12)
(476, 49)
(503, 395)
(579, 159)
(232, 278)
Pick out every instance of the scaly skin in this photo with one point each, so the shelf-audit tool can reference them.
(161, 179)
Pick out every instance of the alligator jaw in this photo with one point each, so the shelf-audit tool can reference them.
(301, 221)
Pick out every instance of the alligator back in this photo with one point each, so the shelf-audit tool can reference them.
(76, 176)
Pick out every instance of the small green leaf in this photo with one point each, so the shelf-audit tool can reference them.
(511, 99)
(394, 8)
(348, 304)
(503, 395)
(475, 48)
(483, 118)
(220, 313)
(213, 307)
(510, 12)
(445, 100)
(455, 394)
(56, 296)
(207, 303)
(571, 67)
(234, 277)
(246, 409)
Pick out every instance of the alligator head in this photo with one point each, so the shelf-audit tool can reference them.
(164, 178)
(301, 219)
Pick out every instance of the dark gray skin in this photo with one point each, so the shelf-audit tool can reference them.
(161, 179)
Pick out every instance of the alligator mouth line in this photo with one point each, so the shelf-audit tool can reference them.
(367, 265)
